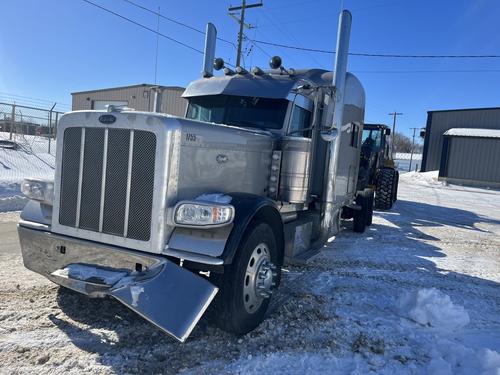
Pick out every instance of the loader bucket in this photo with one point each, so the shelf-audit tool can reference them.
(169, 296)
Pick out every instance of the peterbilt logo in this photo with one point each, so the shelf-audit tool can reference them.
(221, 158)
(107, 119)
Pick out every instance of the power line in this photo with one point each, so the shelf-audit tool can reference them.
(241, 23)
(175, 21)
(259, 47)
(143, 26)
(379, 54)
(290, 37)
(150, 29)
(256, 42)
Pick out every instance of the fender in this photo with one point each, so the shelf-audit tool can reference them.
(249, 207)
(211, 249)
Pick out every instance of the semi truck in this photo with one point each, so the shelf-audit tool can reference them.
(172, 215)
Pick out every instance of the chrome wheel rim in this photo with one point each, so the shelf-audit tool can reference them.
(259, 278)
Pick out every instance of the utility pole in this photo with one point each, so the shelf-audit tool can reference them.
(412, 145)
(242, 24)
(394, 114)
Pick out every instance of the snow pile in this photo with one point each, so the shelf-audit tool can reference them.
(14, 203)
(422, 178)
(430, 307)
(450, 358)
(30, 159)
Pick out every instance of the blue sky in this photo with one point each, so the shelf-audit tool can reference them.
(49, 49)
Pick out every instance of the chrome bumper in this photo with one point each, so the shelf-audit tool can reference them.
(171, 297)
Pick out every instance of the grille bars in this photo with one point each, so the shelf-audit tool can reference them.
(129, 182)
(103, 179)
(80, 178)
(107, 181)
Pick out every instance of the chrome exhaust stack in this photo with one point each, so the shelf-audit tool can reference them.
(334, 124)
(209, 55)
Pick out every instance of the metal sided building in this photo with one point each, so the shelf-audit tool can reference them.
(438, 122)
(471, 157)
(139, 97)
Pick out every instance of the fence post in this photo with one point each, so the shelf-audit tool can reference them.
(12, 120)
(50, 124)
(54, 133)
(50, 128)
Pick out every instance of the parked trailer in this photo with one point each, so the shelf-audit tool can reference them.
(169, 215)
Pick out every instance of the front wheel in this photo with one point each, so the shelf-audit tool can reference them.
(248, 283)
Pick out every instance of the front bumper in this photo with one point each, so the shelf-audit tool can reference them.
(169, 296)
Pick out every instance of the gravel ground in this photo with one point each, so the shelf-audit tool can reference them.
(338, 313)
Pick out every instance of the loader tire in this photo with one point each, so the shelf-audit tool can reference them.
(360, 216)
(369, 202)
(396, 184)
(233, 310)
(386, 188)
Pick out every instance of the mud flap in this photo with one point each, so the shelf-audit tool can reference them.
(174, 299)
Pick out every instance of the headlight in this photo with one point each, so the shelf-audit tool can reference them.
(203, 214)
(39, 190)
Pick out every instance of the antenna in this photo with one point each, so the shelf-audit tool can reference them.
(157, 42)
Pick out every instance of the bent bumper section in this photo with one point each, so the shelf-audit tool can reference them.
(169, 296)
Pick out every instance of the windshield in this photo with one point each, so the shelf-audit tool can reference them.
(371, 138)
(242, 111)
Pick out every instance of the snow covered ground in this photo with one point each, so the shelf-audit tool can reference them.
(417, 293)
(31, 159)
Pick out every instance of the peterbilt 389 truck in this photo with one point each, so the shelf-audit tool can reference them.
(170, 215)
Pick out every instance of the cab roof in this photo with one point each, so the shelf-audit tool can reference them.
(274, 84)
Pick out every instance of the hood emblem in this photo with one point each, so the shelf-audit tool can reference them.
(107, 119)
(221, 158)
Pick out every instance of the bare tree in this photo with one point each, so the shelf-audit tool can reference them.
(401, 143)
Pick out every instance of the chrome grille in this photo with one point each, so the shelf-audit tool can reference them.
(107, 181)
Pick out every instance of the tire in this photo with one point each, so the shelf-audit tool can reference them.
(231, 310)
(360, 216)
(347, 213)
(396, 185)
(369, 212)
(384, 195)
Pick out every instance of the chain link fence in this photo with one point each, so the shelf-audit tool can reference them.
(23, 125)
(407, 162)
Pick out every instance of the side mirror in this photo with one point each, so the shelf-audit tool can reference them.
(329, 135)
(387, 131)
